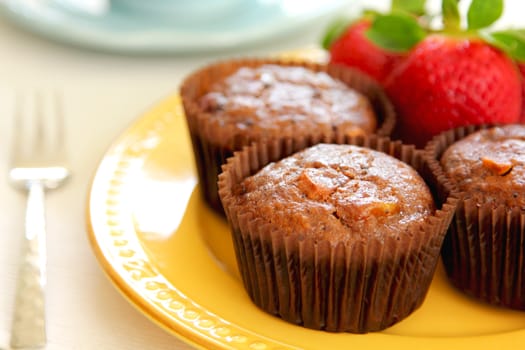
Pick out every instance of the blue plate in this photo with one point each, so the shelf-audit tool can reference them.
(122, 29)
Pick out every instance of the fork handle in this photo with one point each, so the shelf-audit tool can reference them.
(28, 327)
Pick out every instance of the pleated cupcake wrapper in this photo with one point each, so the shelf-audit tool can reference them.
(213, 145)
(356, 288)
(484, 250)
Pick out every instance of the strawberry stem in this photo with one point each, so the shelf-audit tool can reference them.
(451, 16)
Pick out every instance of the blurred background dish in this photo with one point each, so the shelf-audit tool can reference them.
(196, 12)
(163, 26)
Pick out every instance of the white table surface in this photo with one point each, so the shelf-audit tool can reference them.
(103, 94)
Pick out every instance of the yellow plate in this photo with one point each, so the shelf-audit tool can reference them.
(173, 259)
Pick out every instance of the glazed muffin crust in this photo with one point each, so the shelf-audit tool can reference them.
(489, 166)
(339, 193)
(272, 100)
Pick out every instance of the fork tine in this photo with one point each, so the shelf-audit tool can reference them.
(52, 121)
(60, 121)
(17, 127)
(38, 115)
(27, 139)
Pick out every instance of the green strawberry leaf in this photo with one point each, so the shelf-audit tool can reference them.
(510, 41)
(416, 7)
(334, 31)
(451, 16)
(370, 13)
(396, 31)
(482, 13)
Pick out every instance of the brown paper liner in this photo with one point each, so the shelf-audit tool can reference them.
(356, 287)
(209, 147)
(483, 252)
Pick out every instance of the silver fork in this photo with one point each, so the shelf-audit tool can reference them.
(38, 164)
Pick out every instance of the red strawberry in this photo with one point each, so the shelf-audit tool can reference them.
(521, 66)
(354, 49)
(454, 78)
(446, 82)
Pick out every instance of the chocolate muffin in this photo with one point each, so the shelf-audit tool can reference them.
(489, 166)
(273, 101)
(228, 105)
(327, 191)
(334, 237)
(484, 251)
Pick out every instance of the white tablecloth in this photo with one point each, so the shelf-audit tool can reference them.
(103, 93)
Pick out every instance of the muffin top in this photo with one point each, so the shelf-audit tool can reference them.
(489, 165)
(272, 100)
(339, 193)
